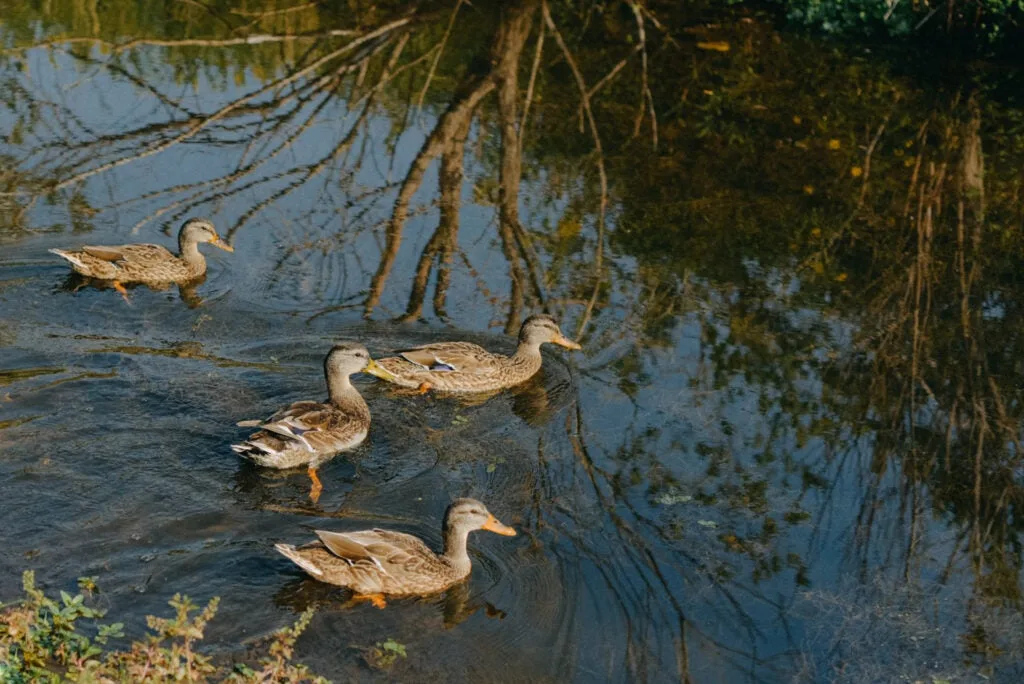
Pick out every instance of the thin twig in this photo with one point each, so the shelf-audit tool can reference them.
(530, 86)
(437, 56)
(646, 98)
(223, 111)
(867, 159)
(270, 13)
(607, 78)
(611, 74)
(117, 48)
(582, 85)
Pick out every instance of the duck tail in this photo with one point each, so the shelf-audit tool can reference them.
(292, 554)
(250, 451)
(258, 452)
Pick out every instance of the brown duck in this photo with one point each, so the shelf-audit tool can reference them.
(375, 563)
(466, 367)
(145, 263)
(308, 433)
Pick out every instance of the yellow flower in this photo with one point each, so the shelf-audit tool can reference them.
(816, 232)
(809, 189)
(856, 172)
(833, 144)
(797, 120)
(841, 278)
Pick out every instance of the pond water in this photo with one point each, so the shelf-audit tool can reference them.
(790, 449)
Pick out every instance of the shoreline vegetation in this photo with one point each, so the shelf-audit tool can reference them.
(43, 639)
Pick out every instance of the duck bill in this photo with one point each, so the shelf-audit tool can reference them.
(493, 525)
(223, 245)
(563, 341)
(376, 370)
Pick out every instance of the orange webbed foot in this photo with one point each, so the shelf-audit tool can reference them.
(314, 491)
(376, 599)
(423, 388)
(120, 288)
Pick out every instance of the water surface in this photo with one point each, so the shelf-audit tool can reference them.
(790, 449)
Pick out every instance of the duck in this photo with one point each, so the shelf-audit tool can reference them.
(145, 263)
(308, 433)
(467, 367)
(378, 563)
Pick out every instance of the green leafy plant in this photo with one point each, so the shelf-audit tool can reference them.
(990, 20)
(45, 640)
(384, 654)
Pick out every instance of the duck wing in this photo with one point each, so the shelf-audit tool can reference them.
(464, 357)
(301, 416)
(104, 253)
(122, 253)
(317, 428)
(393, 554)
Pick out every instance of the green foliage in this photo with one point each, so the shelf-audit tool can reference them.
(44, 640)
(870, 17)
(991, 20)
(384, 654)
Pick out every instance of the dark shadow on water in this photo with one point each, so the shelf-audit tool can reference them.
(455, 605)
(187, 292)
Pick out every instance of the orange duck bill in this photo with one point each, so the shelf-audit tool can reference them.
(494, 525)
(563, 341)
(219, 242)
(376, 370)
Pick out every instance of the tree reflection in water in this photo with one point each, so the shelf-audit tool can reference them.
(794, 268)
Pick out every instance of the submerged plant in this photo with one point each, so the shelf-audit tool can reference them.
(45, 640)
(383, 654)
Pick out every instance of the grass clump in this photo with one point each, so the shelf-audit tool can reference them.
(47, 640)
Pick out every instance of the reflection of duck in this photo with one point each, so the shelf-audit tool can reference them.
(539, 399)
(377, 562)
(309, 432)
(466, 367)
(456, 603)
(187, 291)
(144, 263)
(458, 607)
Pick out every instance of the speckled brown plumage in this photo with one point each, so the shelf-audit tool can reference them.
(378, 562)
(145, 263)
(466, 367)
(308, 432)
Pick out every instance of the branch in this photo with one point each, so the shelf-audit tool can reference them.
(585, 99)
(117, 48)
(529, 88)
(437, 57)
(645, 89)
(445, 129)
(224, 111)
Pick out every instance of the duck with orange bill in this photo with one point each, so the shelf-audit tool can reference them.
(308, 433)
(467, 367)
(379, 563)
(152, 265)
